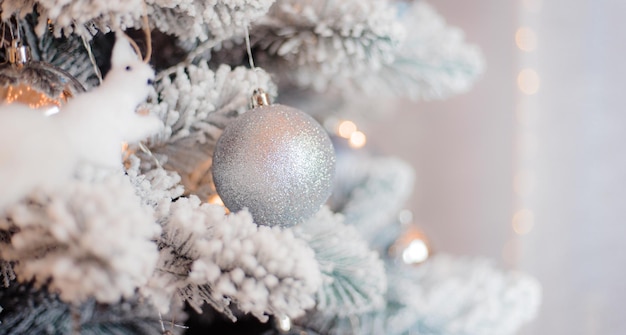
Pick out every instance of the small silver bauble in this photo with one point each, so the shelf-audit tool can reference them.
(277, 162)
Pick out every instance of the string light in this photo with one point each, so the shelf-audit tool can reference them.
(357, 140)
(216, 200)
(523, 222)
(525, 39)
(528, 81)
(346, 128)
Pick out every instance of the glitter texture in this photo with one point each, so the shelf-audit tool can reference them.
(276, 161)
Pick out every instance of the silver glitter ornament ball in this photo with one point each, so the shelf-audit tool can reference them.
(276, 161)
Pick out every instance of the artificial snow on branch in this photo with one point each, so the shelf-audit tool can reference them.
(202, 20)
(370, 191)
(208, 257)
(316, 43)
(446, 296)
(433, 62)
(82, 17)
(354, 276)
(41, 312)
(196, 104)
(91, 238)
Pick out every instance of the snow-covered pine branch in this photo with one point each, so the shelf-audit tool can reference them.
(202, 20)
(185, 19)
(41, 312)
(196, 104)
(82, 17)
(354, 276)
(445, 296)
(370, 191)
(91, 238)
(433, 62)
(313, 43)
(208, 257)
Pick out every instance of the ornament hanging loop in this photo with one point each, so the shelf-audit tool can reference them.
(259, 98)
(18, 54)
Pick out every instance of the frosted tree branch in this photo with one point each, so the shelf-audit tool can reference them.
(446, 296)
(207, 257)
(370, 191)
(41, 312)
(354, 276)
(433, 62)
(185, 19)
(91, 238)
(82, 17)
(313, 43)
(203, 20)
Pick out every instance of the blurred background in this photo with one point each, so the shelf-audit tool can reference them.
(529, 167)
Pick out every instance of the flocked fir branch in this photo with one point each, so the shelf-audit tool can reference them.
(354, 275)
(209, 257)
(185, 19)
(91, 238)
(318, 44)
(202, 20)
(433, 62)
(37, 311)
(82, 17)
(445, 296)
(370, 190)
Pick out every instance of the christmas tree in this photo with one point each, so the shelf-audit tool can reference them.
(143, 192)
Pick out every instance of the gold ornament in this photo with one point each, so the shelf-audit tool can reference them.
(38, 85)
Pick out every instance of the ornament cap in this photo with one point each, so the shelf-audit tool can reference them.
(18, 54)
(259, 98)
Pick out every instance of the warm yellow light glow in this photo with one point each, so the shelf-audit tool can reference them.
(24, 94)
(346, 128)
(412, 247)
(523, 183)
(216, 200)
(528, 81)
(523, 221)
(357, 140)
(526, 39)
(416, 252)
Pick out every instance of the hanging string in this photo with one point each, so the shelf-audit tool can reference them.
(147, 151)
(248, 47)
(259, 97)
(147, 32)
(92, 59)
(3, 32)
